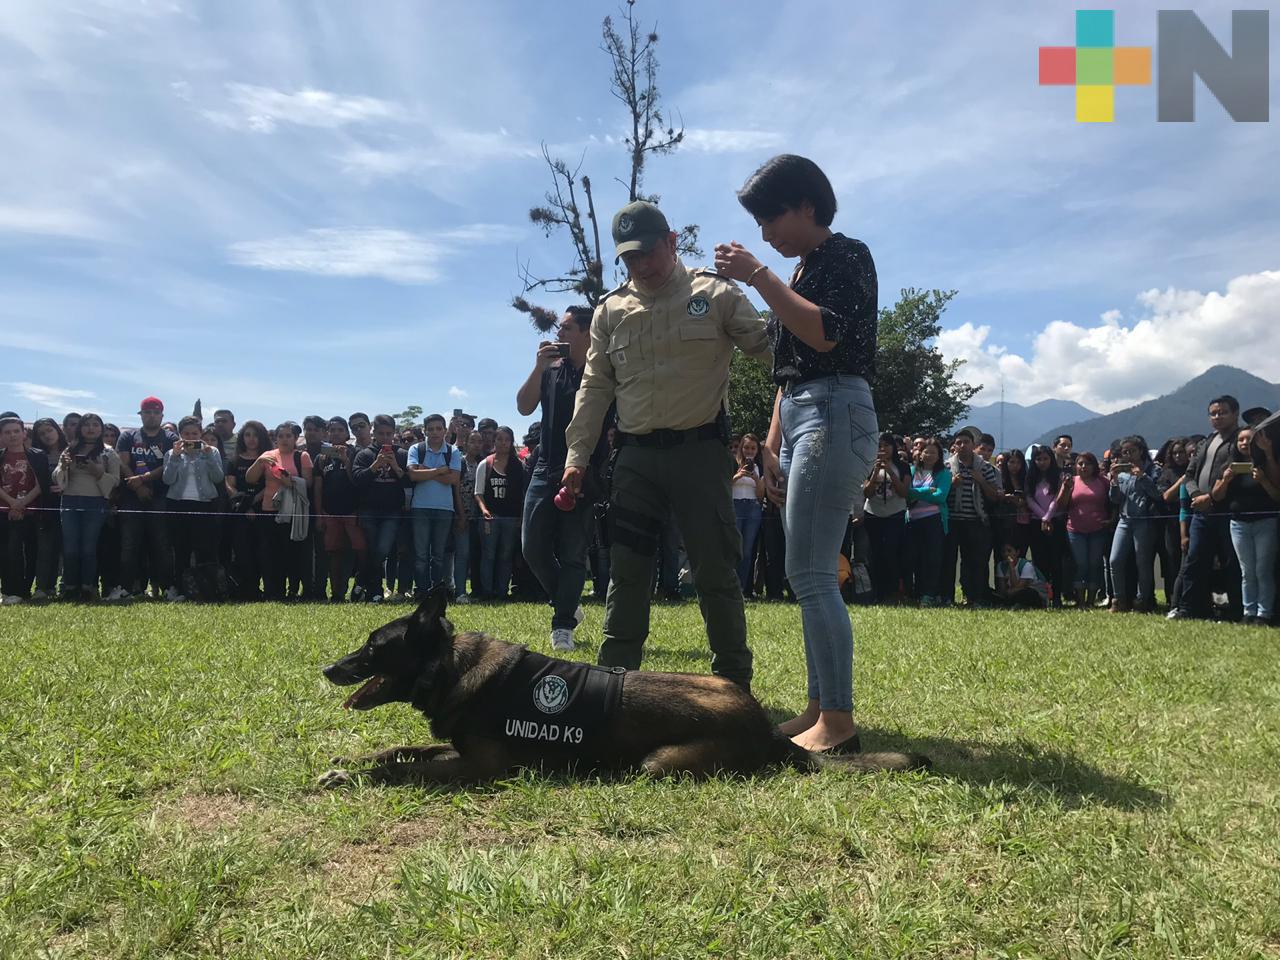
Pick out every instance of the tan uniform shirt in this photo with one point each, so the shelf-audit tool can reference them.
(664, 356)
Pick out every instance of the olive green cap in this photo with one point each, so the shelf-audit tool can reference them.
(638, 226)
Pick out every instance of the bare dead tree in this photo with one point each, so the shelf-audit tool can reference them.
(634, 82)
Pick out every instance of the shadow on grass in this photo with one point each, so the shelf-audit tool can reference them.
(1030, 771)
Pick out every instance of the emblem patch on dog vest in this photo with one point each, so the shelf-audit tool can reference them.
(551, 695)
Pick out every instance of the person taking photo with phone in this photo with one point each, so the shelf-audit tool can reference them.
(1251, 499)
(193, 473)
(88, 472)
(556, 531)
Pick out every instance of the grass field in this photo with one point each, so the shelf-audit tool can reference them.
(1103, 787)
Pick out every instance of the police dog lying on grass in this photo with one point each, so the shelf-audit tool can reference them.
(502, 707)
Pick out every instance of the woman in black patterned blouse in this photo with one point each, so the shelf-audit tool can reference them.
(822, 439)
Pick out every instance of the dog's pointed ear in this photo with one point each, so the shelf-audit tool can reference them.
(431, 610)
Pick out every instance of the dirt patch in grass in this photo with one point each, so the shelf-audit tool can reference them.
(206, 812)
(363, 871)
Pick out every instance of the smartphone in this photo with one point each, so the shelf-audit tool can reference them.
(386, 449)
(82, 458)
(1242, 469)
(562, 349)
(457, 411)
(191, 445)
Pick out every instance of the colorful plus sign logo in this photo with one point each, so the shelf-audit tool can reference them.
(1095, 66)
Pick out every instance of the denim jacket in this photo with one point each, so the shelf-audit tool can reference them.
(208, 472)
(1137, 496)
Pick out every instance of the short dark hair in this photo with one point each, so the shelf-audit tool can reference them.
(581, 316)
(314, 421)
(1063, 436)
(787, 182)
(190, 422)
(432, 417)
(223, 410)
(382, 420)
(341, 422)
(287, 425)
(488, 423)
(988, 439)
(1228, 401)
(362, 416)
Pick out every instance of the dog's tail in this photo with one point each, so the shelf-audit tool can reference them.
(802, 759)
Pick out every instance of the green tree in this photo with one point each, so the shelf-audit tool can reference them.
(570, 203)
(915, 389)
(751, 393)
(409, 417)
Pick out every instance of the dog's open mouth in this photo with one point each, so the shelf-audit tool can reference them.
(360, 700)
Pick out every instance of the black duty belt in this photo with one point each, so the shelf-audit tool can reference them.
(669, 438)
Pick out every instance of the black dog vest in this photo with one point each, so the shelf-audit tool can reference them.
(555, 705)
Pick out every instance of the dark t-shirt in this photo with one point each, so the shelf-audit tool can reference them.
(380, 492)
(144, 453)
(558, 706)
(237, 467)
(1247, 499)
(503, 492)
(557, 395)
(340, 494)
(17, 476)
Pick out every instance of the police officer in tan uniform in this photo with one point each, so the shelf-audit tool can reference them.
(660, 347)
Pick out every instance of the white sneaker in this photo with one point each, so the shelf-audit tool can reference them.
(173, 596)
(118, 594)
(562, 640)
(579, 615)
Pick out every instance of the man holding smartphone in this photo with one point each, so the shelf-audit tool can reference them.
(554, 539)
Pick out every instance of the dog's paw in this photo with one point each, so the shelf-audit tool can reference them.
(332, 779)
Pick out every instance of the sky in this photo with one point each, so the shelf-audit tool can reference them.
(317, 206)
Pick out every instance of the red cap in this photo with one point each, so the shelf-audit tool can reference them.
(152, 403)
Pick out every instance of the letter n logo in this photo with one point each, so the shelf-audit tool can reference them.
(1238, 80)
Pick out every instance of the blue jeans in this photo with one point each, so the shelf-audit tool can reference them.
(555, 547)
(380, 532)
(498, 540)
(829, 433)
(462, 557)
(748, 515)
(1088, 549)
(1255, 542)
(430, 534)
(1210, 540)
(82, 520)
(1138, 536)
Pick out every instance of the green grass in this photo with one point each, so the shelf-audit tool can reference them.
(1104, 787)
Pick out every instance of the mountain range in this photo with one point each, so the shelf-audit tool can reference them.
(1014, 425)
(1182, 412)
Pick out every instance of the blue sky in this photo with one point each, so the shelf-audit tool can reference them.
(297, 207)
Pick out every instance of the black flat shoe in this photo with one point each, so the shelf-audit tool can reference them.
(847, 746)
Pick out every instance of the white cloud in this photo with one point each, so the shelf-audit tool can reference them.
(731, 141)
(1175, 335)
(395, 255)
(450, 147)
(50, 221)
(261, 109)
(43, 395)
(458, 393)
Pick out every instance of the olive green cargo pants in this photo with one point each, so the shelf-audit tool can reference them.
(694, 481)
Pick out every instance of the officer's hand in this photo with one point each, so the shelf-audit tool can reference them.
(735, 261)
(548, 354)
(572, 479)
(1202, 503)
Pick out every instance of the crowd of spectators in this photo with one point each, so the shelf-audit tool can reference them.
(360, 508)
